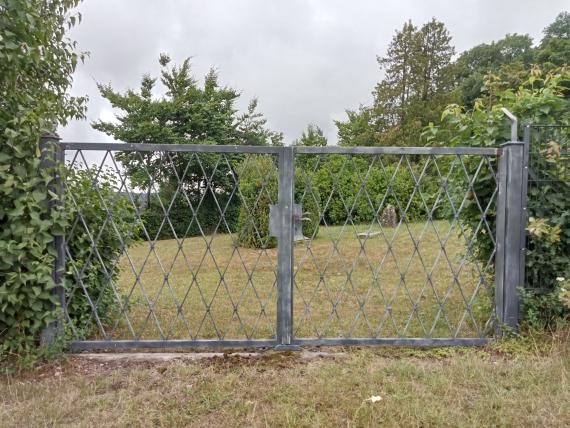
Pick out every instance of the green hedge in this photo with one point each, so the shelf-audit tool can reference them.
(364, 186)
(37, 60)
(181, 217)
(88, 200)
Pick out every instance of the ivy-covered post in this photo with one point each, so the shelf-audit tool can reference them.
(509, 260)
(52, 158)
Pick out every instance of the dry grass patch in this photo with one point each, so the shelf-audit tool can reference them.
(383, 286)
(435, 387)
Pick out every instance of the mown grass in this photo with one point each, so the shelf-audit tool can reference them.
(391, 285)
(512, 383)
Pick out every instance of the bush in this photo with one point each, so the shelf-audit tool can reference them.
(541, 99)
(258, 188)
(36, 65)
(181, 216)
(92, 275)
(338, 181)
(548, 243)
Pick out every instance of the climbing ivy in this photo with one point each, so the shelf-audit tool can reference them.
(37, 60)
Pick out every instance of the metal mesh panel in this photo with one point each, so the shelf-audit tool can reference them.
(164, 260)
(542, 173)
(418, 278)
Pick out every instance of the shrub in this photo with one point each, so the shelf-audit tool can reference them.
(541, 100)
(92, 275)
(548, 243)
(36, 65)
(181, 217)
(258, 189)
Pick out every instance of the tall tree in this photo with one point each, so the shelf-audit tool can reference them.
(187, 114)
(555, 45)
(432, 65)
(418, 83)
(359, 129)
(513, 51)
(393, 92)
(313, 136)
(559, 29)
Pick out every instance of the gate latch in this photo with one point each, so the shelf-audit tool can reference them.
(275, 221)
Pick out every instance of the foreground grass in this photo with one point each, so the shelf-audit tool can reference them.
(344, 286)
(509, 383)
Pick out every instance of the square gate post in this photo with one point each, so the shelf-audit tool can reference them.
(285, 248)
(52, 157)
(510, 233)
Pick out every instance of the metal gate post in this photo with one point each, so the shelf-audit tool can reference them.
(509, 260)
(52, 157)
(285, 248)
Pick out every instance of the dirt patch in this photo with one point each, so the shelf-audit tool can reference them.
(92, 365)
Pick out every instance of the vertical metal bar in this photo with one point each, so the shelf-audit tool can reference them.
(285, 248)
(52, 156)
(510, 245)
(500, 237)
(526, 162)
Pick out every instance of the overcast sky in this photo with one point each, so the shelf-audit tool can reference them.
(306, 61)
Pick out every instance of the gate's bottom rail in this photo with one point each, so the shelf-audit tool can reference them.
(264, 343)
(171, 344)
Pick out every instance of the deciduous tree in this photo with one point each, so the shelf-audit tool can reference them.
(188, 113)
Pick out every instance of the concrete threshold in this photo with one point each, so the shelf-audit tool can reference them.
(197, 356)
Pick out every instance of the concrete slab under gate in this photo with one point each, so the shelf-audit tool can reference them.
(195, 356)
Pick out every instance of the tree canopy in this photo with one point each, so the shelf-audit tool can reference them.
(312, 136)
(188, 113)
(417, 84)
(421, 76)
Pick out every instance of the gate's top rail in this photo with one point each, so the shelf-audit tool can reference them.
(482, 151)
(201, 148)
(210, 148)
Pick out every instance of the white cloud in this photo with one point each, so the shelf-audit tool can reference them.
(306, 61)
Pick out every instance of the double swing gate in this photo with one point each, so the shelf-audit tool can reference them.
(187, 246)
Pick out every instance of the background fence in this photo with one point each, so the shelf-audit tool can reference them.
(548, 180)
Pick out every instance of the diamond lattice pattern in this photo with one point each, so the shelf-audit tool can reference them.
(420, 277)
(153, 250)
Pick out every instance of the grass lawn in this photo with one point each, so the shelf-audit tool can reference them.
(513, 383)
(344, 286)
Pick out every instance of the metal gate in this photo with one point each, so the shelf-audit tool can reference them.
(172, 246)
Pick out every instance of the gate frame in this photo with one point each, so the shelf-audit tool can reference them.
(512, 172)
